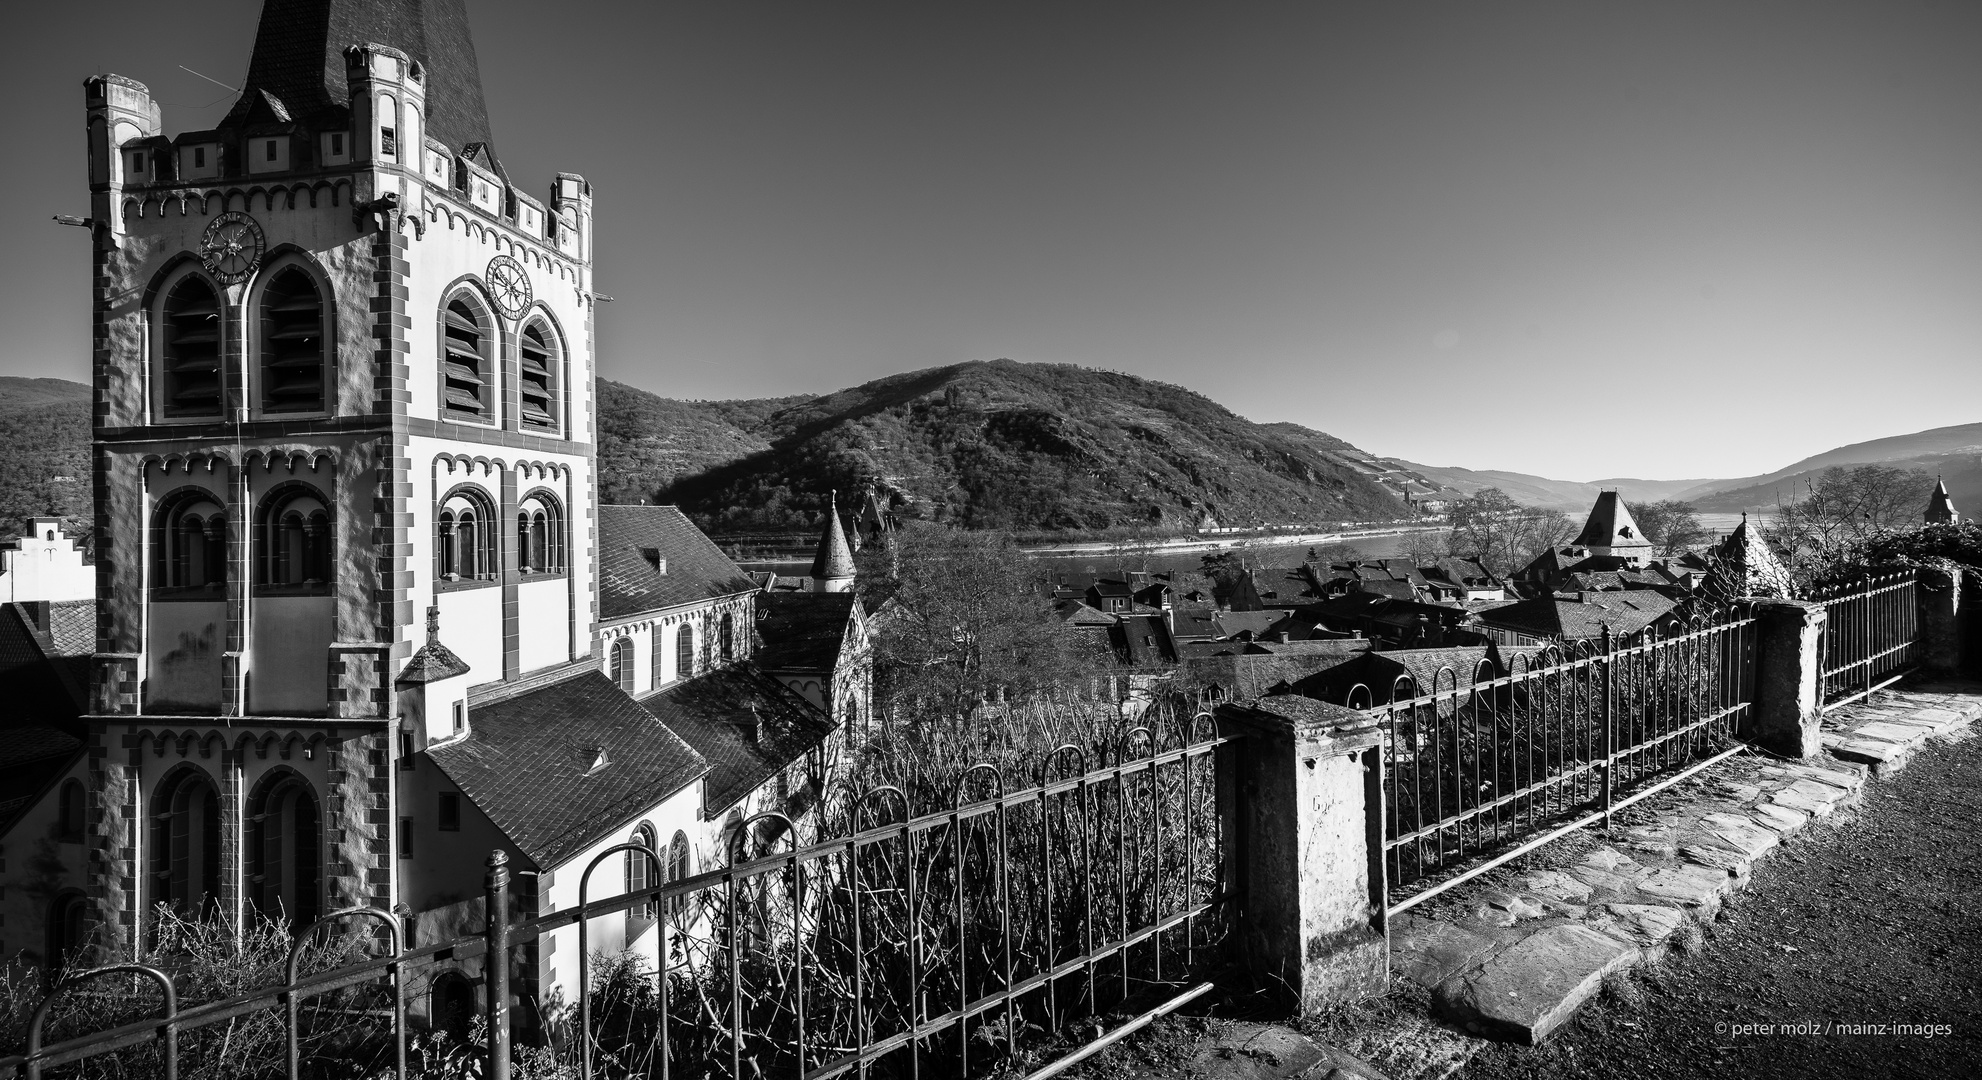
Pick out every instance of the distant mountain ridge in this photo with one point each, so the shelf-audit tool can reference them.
(1000, 444)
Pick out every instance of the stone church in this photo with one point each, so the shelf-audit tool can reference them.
(359, 619)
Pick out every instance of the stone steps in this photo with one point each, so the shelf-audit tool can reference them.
(1514, 959)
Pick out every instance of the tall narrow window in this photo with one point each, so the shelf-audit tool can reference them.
(641, 876)
(292, 346)
(538, 387)
(727, 630)
(678, 868)
(684, 653)
(465, 362)
(284, 849)
(657, 662)
(190, 350)
(185, 843)
(620, 664)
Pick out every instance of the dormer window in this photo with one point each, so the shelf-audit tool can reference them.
(137, 165)
(270, 150)
(337, 143)
(199, 157)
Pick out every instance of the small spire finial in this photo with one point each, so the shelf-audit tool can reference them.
(433, 624)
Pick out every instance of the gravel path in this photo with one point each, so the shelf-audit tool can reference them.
(1876, 920)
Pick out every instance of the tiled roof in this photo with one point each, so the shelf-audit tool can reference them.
(38, 712)
(1233, 623)
(1396, 590)
(1623, 612)
(745, 724)
(1610, 525)
(1143, 639)
(1079, 614)
(633, 543)
(802, 631)
(528, 764)
(299, 59)
(1253, 675)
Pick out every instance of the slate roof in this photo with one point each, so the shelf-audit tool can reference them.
(721, 715)
(39, 711)
(1143, 639)
(298, 61)
(1623, 612)
(802, 631)
(834, 559)
(527, 759)
(1610, 525)
(633, 540)
(1233, 623)
(1078, 614)
(1255, 674)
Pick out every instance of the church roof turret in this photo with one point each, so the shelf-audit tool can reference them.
(299, 60)
(1940, 506)
(835, 557)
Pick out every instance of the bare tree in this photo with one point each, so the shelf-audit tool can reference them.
(1502, 534)
(1672, 526)
(1843, 510)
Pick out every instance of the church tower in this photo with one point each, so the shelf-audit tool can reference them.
(1940, 507)
(1610, 530)
(832, 563)
(343, 376)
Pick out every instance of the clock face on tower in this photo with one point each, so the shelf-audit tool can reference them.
(510, 284)
(232, 246)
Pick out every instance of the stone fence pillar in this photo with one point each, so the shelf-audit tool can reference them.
(1941, 619)
(1788, 677)
(1304, 796)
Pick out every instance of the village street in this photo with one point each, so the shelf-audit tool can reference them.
(1874, 920)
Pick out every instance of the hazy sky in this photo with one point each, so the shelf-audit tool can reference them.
(1575, 239)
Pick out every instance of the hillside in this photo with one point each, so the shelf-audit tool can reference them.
(44, 429)
(1954, 453)
(1000, 444)
(646, 442)
(1540, 491)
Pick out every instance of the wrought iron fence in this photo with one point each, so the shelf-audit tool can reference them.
(1488, 766)
(909, 945)
(1871, 636)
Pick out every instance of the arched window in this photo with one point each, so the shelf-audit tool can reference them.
(293, 540)
(620, 664)
(284, 856)
(189, 349)
(679, 869)
(537, 376)
(465, 544)
(453, 1003)
(69, 815)
(640, 876)
(466, 363)
(727, 628)
(185, 843)
(684, 652)
(540, 547)
(68, 930)
(189, 543)
(292, 343)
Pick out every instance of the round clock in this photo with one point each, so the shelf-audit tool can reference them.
(510, 284)
(232, 246)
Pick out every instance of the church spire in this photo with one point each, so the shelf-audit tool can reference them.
(832, 566)
(1940, 506)
(299, 61)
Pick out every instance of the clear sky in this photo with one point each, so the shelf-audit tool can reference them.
(1575, 239)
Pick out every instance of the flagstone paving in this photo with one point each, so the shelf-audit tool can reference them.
(1511, 957)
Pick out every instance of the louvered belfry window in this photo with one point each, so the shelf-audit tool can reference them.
(465, 367)
(538, 378)
(191, 350)
(292, 344)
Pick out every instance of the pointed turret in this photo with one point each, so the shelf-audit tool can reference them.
(1743, 565)
(1940, 508)
(832, 567)
(1610, 530)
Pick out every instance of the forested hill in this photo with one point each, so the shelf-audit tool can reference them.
(44, 440)
(1000, 444)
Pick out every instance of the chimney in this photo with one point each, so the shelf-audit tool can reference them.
(1280, 636)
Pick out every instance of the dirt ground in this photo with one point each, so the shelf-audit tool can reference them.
(1876, 920)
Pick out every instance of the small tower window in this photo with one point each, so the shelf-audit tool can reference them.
(464, 361)
(189, 544)
(641, 867)
(684, 653)
(271, 150)
(292, 345)
(137, 164)
(619, 664)
(538, 377)
(337, 142)
(199, 157)
(190, 349)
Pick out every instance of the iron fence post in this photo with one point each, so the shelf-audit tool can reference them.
(496, 963)
(1604, 662)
